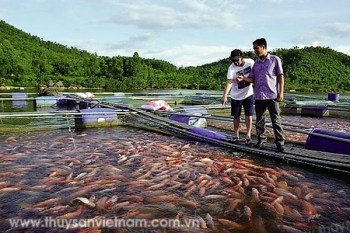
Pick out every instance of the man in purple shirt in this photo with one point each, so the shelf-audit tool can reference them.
(268, 79)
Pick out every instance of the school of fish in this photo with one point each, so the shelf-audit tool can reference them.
(134, 174)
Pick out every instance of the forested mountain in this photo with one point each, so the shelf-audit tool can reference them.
(27, 60)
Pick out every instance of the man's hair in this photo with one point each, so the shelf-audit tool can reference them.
(260, 42)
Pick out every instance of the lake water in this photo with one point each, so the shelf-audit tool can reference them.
(139, 97)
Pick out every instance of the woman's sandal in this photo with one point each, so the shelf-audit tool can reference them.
(248, 141)
(234, 139)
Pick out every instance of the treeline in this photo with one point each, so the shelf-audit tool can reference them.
(27, 60)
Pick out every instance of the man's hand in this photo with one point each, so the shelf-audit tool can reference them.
(280, 97)
(240, 78)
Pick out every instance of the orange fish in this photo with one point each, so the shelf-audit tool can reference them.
(74, 214)
(157, 199)
(48, 202)
(231, 224)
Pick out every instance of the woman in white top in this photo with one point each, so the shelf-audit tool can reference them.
(241, 92)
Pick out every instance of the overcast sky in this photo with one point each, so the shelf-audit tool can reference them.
(182, 32)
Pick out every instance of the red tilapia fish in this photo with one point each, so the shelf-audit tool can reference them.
(135, 174)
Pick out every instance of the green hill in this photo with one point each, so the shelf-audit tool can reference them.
(27, 60)
(316, 69)
(309, 69)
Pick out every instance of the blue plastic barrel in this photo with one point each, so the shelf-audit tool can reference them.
(19, 103)
(66, 102)
(19, 95)
(88, 104)
(194, 119)
(333, 97)
(96, 115)
(62, 101)
(207, 133)
(328, 144)
(180, 118)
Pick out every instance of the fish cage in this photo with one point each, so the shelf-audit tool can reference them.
(27, 121)
(22, 113)
(70, 119)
